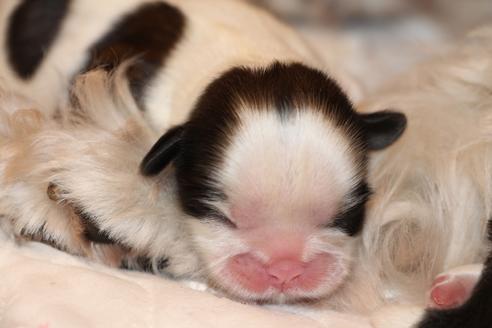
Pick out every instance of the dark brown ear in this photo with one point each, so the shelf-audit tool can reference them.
(164, 151)
(383, 128)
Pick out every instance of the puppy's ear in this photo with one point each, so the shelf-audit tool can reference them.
(164, 151)
(383, 128)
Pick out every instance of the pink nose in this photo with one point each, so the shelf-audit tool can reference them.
(285, 271)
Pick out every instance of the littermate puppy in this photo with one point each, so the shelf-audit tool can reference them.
(427, 232)
(68, 181)
(267, 154)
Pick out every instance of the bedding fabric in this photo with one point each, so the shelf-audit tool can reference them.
(45, 288)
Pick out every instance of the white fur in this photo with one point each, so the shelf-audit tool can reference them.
(305, 162)
(432, 188)
(435, 184)
(92, 153)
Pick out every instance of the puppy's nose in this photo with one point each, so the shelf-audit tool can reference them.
(284, 271)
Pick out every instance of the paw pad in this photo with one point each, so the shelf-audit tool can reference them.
(450, 291)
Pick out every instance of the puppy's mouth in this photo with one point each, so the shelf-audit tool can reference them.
(282, 282)
(270, 296)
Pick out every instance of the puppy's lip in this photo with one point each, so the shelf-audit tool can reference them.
(270, 295)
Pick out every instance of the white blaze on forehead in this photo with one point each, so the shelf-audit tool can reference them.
(289, 171)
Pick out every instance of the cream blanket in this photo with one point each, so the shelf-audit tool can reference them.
(44, 288)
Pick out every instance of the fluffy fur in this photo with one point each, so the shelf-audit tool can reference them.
(435, 186)
(91, 153)
(432, 199)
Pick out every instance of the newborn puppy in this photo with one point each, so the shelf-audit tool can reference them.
(429, 216)
(268, 156)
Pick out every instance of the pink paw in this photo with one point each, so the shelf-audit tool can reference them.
(451, 290)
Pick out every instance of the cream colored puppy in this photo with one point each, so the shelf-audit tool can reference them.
(431, 209)
(67, 181)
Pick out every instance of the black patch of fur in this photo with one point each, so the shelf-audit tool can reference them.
(147, 35)
(143, 263)
(475, 313)
(351, 220)
(91, 231)
(32, 28)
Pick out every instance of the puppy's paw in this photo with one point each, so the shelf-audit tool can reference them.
(453, 288)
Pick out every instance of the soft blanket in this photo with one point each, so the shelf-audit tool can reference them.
(45, 288)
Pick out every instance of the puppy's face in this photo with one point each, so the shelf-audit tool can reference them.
(271, 169)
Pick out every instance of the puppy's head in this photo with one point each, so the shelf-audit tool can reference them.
(271, 170)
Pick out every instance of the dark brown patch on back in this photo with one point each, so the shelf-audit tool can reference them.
(147, 35)
(32, 29)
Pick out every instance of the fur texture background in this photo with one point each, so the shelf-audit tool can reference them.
(433, 188)
(92, 153)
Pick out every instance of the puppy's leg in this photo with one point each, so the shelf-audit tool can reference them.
(453, 288)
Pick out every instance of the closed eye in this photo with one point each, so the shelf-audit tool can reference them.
(214, 214)
(351, 219)
(220, 217)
